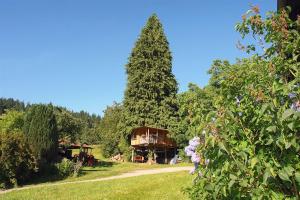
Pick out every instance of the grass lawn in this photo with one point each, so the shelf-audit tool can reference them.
(104, 168)
(156, 187)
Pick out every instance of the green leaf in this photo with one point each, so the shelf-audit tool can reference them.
(286, 114)
(272, 172)
(222, 146)
(291, 126)
(263, 109)
(270, 141)
(209, 187)
(272, 129)
(289, 170)
(266, 176)
(284, 176)
(287, 145)
(244, 183)
(232, 177)
(253, 162)
(230, 184)
(297, 177)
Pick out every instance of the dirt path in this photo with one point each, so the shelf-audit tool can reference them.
(125, 175)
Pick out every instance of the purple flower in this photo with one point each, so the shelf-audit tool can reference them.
(189, 150)
(296, 106)
(292, 95)
(194, 142)
(195, 158)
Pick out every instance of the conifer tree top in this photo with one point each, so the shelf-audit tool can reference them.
(151, 86)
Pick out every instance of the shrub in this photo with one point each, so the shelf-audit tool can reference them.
(252, 136)
(16, 159)
(11, 120)
(65, 167)
(68, 168)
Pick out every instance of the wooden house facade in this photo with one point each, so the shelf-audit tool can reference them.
(145, 140)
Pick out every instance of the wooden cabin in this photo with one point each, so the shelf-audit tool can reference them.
(155, 140)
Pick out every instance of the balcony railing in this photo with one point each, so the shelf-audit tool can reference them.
(152, 139)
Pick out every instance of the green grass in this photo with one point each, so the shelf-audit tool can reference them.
(111, 169)
(104, 168)
(156, 187)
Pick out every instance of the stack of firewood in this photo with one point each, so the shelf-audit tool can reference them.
(117, 158)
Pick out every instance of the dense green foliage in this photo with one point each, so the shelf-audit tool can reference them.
(252, 134)
(194, 105)
(16, 160)
(109, 134)
(11, 120)
(77, 127)
(150, 96)
(66, 168)
(68, 126)
(89, 127)
(40, 129)
(73, 126)
(11, 104)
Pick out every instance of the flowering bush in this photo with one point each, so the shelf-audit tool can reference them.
(252, 134)
(191, 151)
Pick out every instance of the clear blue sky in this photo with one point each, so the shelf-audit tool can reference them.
(72, 53)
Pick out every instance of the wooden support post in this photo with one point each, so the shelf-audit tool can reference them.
(166, 160)
(154, 154)
(132, 155)
(148, 137)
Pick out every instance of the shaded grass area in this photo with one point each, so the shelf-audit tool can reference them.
(159, 186)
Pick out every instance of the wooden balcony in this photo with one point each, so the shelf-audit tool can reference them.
(146, 136)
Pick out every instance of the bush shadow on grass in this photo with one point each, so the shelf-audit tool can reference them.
(100, 166)
(47, 174)
(50, 173)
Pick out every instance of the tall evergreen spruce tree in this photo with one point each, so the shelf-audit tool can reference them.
(41, 131)
(150, 96)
